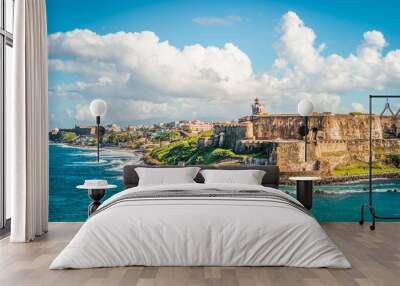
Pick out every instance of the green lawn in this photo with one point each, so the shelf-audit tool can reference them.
(186, 150)
(361, 168)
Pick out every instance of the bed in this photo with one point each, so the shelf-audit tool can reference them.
(198, 224)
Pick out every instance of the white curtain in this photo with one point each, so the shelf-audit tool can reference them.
(26, 124)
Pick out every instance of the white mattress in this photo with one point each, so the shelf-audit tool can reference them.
(202, 232)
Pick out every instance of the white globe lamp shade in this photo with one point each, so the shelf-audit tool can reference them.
(98, 107)
(305, 107)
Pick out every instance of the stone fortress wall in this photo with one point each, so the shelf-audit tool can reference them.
(334, 139)
(330, 126)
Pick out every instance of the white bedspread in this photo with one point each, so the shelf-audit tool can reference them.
(200, 231)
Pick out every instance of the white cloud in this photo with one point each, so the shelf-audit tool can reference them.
(144, 78)
(83, 112)
(217, 21)
(69, 112)
(124, 110)
(358, 107)
(296, 45)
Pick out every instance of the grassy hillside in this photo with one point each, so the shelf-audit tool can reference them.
(186, 150)
(361, 168)
(176, 152)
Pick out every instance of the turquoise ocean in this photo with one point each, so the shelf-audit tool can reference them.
(70, 166)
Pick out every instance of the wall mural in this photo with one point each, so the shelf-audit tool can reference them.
(203, 83)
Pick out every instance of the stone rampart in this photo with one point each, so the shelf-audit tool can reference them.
(329, 126)
(334, 139)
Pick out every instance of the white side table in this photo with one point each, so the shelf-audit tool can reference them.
(304, 190)
(96, 191)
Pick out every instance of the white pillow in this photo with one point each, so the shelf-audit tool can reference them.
(248, 177)
(166, 176)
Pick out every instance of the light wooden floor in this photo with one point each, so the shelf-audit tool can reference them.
(375, 257)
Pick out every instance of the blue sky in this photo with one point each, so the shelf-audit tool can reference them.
(252, 26)
(339, 23)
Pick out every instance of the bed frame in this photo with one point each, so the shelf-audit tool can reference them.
(270, 179)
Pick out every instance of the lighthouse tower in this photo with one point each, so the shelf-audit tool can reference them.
(257, 107)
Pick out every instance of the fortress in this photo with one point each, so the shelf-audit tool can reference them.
(333, 139)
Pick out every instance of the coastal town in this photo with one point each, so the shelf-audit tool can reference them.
(337, 144)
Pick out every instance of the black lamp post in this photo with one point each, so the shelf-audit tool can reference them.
(98, 108)
(303, 131)
(305, 108)
(98, 137)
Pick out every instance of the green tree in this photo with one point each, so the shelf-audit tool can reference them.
(200, 160)
(68, 137)
(394, 159)
(174, 135)
(208, 133)
(219, 154)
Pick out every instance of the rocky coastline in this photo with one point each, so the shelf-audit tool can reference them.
(345, 179)
(146, 158)
(134, 152)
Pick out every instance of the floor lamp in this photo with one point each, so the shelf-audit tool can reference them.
(305, 109)
(98, 108)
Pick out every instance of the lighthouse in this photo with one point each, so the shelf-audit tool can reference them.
(257, 107)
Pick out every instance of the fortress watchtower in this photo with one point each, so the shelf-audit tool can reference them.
(257, 108)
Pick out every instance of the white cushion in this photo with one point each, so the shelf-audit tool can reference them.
(166, 176)
(248, 177)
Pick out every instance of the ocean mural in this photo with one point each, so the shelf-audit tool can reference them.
(220, 85)
(69, 165)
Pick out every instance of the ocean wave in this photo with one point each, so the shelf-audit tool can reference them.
(118, 164)
(111, 163)
(347, 191)
(354, 191)
(62, 145)
(92, 151)
(101, 162)
(109, 156)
